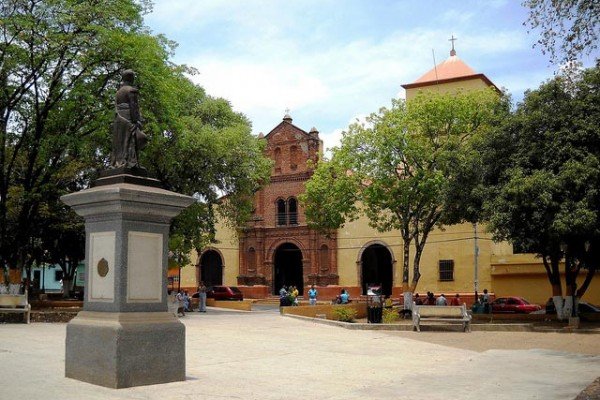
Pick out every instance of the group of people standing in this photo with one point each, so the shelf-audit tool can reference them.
(441, 300)
(185, 300)
(289, 296)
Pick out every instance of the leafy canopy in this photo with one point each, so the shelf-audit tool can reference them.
(569, 28)
(402, 167)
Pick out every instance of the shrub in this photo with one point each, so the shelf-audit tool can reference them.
(344, 314)
(390, 315)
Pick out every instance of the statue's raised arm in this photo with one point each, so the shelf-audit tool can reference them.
(127, 136)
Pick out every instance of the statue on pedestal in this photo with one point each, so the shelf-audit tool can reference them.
(127, 136)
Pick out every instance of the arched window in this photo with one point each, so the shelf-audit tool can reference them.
(281, 212)
(292, 211)
(324, 258)
(277, 156)
(251, 260)
(293, 158)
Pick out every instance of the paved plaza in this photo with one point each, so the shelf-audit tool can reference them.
(261, 355)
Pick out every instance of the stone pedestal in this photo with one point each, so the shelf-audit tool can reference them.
(125, 336)
(574, 322)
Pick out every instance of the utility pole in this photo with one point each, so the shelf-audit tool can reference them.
(475, 260)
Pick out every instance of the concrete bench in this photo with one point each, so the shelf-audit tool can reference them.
(446, 314)
(15, 303)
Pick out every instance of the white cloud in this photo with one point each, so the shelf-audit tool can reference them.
(251, 86)
(333, 138)
(266, 56)
(340, 81)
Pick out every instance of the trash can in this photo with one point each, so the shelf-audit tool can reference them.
(477, 308)
(374, 304)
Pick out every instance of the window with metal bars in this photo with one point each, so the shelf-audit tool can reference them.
(287, 212)
(281, 212)
(446, 268)
(292, 211)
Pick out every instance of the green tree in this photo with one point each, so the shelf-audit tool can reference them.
(209, 153)
(569, 28)
(59, 69)
(543, 193)
(401, 169)
(59, 64)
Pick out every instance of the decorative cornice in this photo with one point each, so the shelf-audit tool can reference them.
(303, 176)
(450, 80)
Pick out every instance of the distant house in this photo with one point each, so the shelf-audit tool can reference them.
(49, 277)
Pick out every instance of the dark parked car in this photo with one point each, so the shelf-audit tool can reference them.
(224, 293)
(585, 310)
(513, 305)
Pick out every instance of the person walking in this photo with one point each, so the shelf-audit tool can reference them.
(202, 297)
(312, 295)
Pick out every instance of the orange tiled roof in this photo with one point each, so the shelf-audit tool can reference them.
(452, 68)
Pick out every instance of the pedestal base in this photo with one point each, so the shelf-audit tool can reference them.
(120, 350)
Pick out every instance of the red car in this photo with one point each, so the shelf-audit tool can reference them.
(225, 293)
(513, 305)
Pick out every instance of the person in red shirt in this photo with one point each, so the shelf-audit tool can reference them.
(456, 300)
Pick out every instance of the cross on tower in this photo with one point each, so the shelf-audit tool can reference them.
(452, 39)
(287, 110)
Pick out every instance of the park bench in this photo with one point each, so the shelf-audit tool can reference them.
(15, 303)
(446, 314)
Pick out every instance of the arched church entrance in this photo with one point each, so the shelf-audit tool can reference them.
(376, 268)
(211, 268)
(287, 268)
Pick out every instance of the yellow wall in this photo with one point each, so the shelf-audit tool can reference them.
(356, 235)
(452, 243)
(471, 84)
(188, 273)
(227, 245)
(524, 275)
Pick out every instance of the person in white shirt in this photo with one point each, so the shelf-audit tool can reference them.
(441, 301)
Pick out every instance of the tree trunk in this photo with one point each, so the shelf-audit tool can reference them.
(416, 267)
(586, 283)
(67, 287)
(571, 285)
(553, 272)
(405, 265)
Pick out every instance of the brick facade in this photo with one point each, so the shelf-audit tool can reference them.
(279, 219)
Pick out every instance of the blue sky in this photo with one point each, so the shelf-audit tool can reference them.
(332, 61)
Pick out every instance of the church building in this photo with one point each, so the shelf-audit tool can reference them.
(277, 248)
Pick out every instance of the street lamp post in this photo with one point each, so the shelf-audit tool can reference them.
(475, 260)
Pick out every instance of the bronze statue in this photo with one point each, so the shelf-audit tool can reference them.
(127, 136)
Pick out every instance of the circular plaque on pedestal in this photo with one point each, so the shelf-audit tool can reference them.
(102, 267)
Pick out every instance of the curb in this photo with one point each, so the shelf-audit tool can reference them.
(524, 327)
